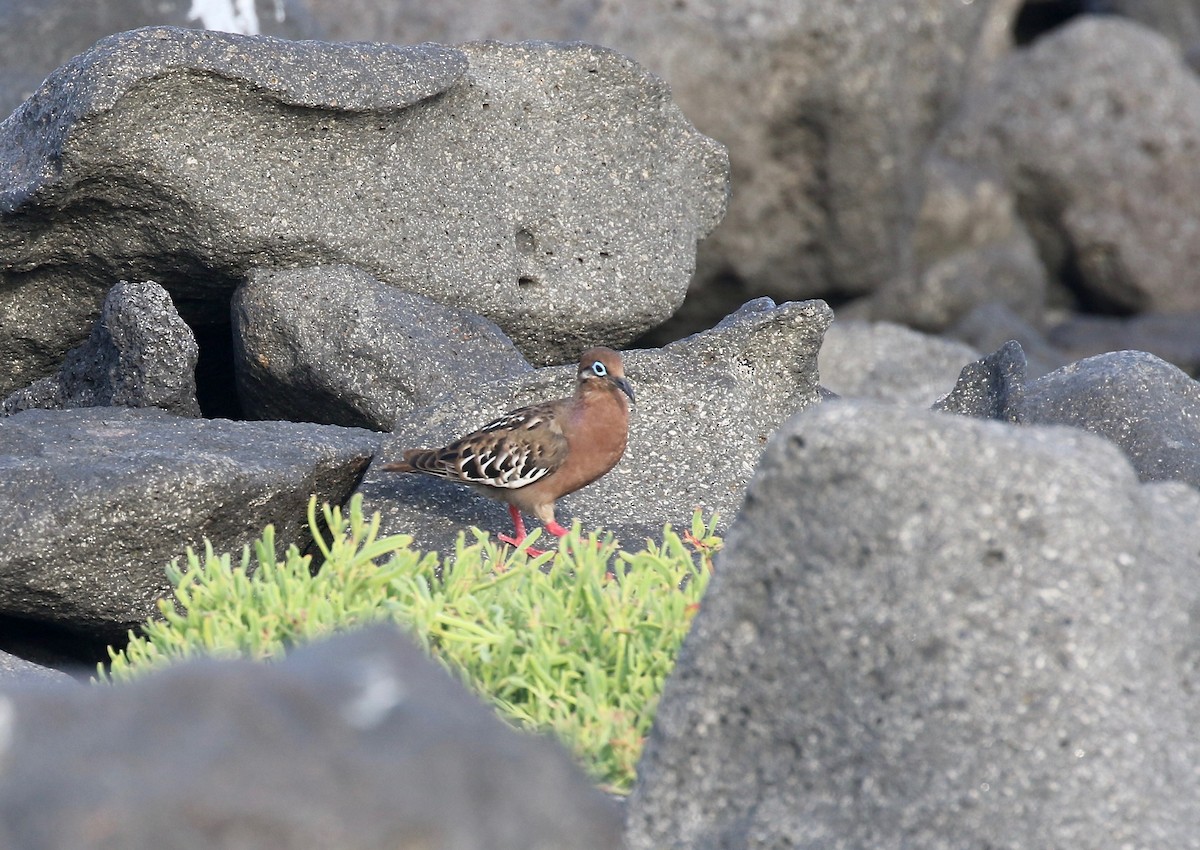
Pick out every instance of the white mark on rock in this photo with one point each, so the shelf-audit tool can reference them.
(228, 15)
(379, 692)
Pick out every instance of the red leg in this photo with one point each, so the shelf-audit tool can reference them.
(518, 532)
(518, 527)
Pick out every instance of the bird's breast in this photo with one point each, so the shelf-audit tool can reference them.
(597, 435)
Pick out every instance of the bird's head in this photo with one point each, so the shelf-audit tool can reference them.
(603, 367)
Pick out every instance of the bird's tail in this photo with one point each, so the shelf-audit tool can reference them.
(403, 465)
(425, 461)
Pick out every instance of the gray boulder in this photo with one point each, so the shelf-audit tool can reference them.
(1146, 406)
(140, 354)
(97, 501)
(969, 246)
(13, 668)
(706, 406)
(1097, 98)
(334, 345)
(887, 362)
(936, 632)
(37, 37)
(827, 108)
(359, 743)
(555, 189)
(992, 387)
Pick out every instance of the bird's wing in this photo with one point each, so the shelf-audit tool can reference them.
(513, 451)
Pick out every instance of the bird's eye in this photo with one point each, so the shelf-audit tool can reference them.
(598, 369)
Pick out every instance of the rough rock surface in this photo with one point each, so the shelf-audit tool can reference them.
(826, 107)
(936, 632)
(37, 37)
(992, 387)
(968, 246)
(825, 112)
(13, 668)
(106, 497)
(358, 743)
(334, 345)
(140, 354)
(1146, 406)
(1097, 98)
(887, 362)
(706, 406)
(555, 189)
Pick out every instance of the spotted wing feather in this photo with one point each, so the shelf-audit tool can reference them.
(513, 451)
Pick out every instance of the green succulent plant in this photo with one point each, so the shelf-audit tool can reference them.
(577, 644)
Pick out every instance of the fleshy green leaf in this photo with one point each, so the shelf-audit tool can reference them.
(577, 643)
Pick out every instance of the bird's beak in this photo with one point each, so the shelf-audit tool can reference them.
(624, 386)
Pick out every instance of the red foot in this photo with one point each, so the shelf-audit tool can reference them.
(514, 542)
(519, 534)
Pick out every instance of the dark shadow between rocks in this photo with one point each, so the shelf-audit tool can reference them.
(702, 308)
(49, 645)
(1038, 17)
(706, 304)
(215, 381)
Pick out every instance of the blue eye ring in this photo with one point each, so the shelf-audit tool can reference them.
(599, 370)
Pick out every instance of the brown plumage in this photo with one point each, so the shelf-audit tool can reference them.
(533, 456)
